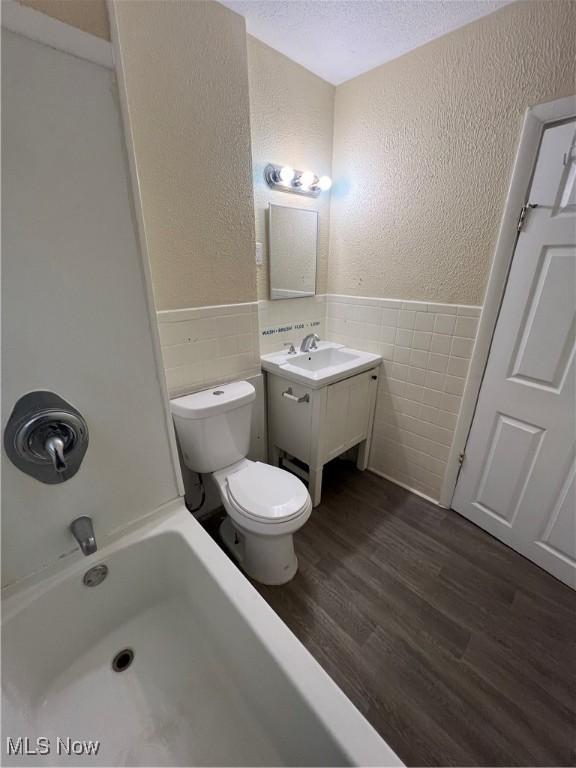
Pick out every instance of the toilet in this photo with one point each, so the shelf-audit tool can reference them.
(265, 505)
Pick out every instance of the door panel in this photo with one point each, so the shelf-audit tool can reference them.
(543, 357)
(517, 478)
(290, 421)
(507, 467)
(348, 408)
(560, 530)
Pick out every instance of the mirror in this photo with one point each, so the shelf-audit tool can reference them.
(293, 236)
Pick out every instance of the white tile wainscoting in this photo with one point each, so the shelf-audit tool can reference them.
(290, 320)
(202, 346)
(426, 349)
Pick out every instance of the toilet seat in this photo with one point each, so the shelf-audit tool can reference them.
(267, 494)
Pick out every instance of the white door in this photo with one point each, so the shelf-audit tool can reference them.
(518, 476)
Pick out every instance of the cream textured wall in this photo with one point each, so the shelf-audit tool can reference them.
(423, 152)
(187, 91)
(292, 118)
(89, 15)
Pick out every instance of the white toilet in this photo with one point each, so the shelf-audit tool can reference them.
(265, 505)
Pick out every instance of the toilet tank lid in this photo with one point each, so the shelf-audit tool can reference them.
(210, 402)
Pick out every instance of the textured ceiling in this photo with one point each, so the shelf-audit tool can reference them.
(339, 39)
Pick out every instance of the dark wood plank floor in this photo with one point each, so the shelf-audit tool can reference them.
(458, 650)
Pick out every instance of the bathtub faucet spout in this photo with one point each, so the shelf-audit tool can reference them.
(83, 531)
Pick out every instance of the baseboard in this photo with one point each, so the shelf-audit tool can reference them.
(404, 485)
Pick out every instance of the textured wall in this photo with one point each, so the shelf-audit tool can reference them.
(187, 89)
(424, 147)
(88, 15)
(292, 114)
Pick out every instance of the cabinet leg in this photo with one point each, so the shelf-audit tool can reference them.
(315, 485)
(275, 454)
(363, 453)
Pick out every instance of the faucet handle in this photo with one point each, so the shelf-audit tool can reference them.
(292, 350)
(309, 342)
(54, 447)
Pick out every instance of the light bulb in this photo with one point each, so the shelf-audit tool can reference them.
(286, 174)
(307, 178)
(324, 182)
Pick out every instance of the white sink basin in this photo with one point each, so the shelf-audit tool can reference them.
(329, 363)
(324, 358)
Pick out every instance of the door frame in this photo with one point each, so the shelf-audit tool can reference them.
(535, 121)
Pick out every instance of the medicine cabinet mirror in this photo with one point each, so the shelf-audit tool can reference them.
(293, 244)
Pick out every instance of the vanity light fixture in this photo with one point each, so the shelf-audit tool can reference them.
(306, 179)
(285, 179)
(286, 174)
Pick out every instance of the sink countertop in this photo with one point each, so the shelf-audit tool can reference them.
(341, 362)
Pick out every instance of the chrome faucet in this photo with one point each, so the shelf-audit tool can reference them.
(54, 447)
(309, 342)
(83, 531)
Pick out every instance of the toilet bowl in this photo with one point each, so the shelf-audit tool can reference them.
(265, 505)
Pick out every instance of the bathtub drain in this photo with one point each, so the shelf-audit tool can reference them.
(95, 575)
(123, 660)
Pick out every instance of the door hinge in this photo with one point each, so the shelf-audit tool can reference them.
(523, 212)
(461, 458)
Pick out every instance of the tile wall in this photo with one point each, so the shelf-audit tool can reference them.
(290, 320)
(426, 350)
(202, 346)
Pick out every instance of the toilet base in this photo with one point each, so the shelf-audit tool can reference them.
(269, 560)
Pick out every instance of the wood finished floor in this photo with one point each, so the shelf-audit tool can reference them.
(458, 650)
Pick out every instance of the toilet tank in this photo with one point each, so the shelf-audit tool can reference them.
(213, 426)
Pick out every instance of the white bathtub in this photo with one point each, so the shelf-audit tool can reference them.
(217, 678)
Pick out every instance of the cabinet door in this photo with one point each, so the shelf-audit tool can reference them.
(290, 421)
(347, 414)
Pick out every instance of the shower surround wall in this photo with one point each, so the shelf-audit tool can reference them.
(76, 317)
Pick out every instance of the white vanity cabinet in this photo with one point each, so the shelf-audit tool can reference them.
(317, 425)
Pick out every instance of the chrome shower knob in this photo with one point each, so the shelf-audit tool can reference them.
(46, 437)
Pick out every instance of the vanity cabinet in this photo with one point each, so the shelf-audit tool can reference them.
(317, 425)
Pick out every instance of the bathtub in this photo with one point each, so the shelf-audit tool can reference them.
(216, 678)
